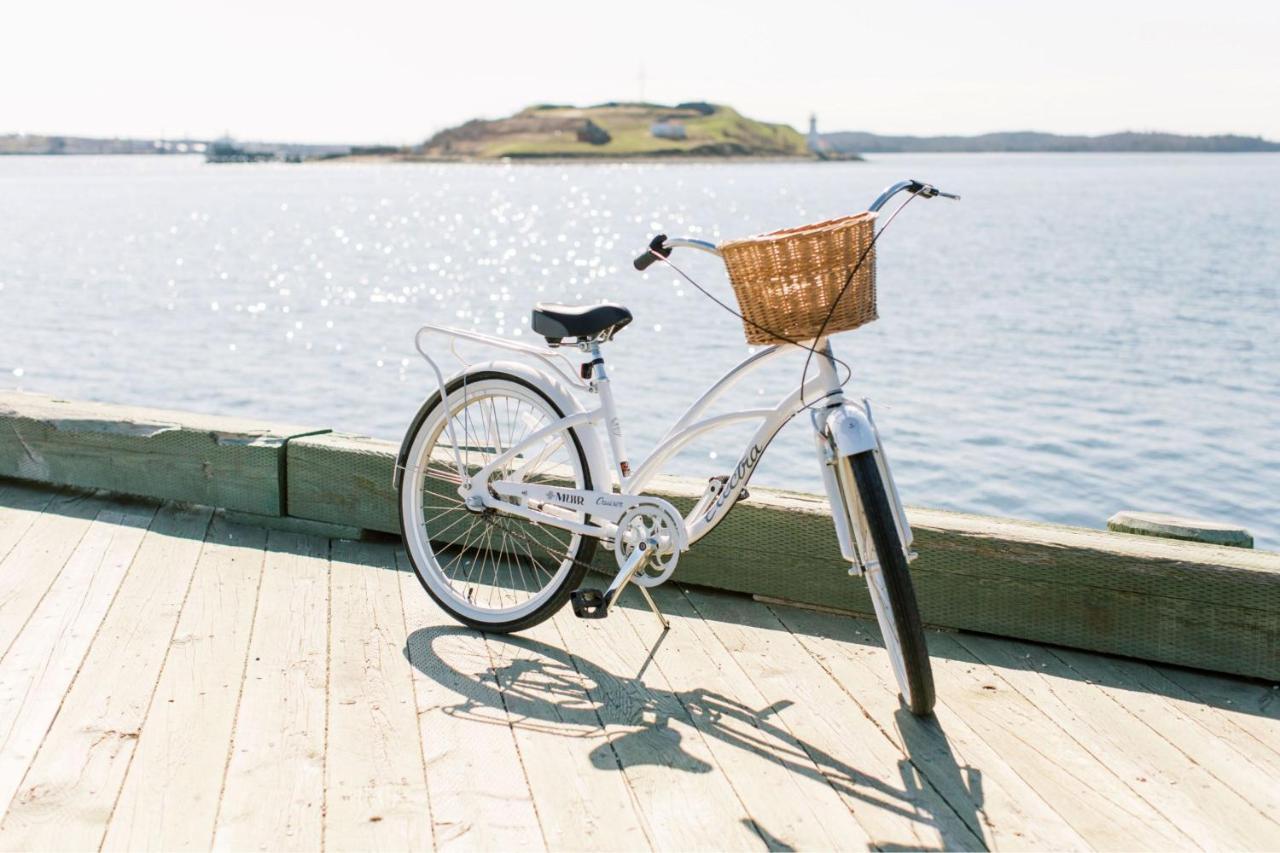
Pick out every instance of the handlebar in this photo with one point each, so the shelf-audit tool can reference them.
(661, 246)
(656, 250)
(912, 186)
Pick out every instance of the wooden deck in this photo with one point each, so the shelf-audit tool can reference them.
(171, 680)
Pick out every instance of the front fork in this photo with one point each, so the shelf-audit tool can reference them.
(840, 433)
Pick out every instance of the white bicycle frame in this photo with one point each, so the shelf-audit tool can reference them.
(841, 428)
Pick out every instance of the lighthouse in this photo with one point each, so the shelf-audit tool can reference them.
(815, 142)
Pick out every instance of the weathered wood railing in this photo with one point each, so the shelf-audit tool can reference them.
(1186, 603)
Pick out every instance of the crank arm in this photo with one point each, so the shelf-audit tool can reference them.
(593, 604)
(629, 569)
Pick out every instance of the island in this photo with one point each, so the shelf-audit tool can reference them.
(617, 130)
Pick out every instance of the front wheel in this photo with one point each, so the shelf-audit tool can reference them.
(892, 593)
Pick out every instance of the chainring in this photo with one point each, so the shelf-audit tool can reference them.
(644, 522)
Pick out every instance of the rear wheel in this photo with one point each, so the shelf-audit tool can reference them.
(491, 569)
(892, 593)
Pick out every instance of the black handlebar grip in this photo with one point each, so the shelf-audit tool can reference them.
(656, 249)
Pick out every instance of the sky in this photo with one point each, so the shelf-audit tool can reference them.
(367, 71)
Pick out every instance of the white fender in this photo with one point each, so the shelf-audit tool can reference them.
(553, 387)
(851, 430)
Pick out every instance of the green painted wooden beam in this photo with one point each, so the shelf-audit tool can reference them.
(234, 463)
(343, 479)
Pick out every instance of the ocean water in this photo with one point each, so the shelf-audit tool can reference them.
(1080, 334)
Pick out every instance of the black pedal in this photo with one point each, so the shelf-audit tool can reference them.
(589, 604)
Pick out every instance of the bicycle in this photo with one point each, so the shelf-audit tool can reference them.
(506, 491)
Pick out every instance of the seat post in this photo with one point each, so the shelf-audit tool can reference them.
(613, 426)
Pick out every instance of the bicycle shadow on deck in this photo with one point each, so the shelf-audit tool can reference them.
(537, 686)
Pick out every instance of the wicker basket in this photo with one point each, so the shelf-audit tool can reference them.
(786, 280)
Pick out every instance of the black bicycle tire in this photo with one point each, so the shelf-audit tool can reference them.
(897, 577)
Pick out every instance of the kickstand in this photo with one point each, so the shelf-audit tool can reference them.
(666, 626)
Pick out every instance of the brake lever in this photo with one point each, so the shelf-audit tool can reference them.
(930, 191)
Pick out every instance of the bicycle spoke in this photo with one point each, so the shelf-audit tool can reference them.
(454, 523)
(537, 564)
(444, 569)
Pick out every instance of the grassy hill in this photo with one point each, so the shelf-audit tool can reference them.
(617, 130)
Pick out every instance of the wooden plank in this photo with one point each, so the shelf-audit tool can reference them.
(1222, 780)
(20, 506)
(480, 798)
(206, 459)
(375, 781)
(897, 808)
(37, 558)
(1236, 695)
(44, 658)
(1160, 772)
(169, 799)
(583, 802)
(664, 756)
(990, 796)
(279, 740)
(1044, 745)
(1257, 737)
(791, 802)
(1240, 703)
(68, 793)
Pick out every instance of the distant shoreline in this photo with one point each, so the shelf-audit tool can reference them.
(1034, 142)
(385, 160)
